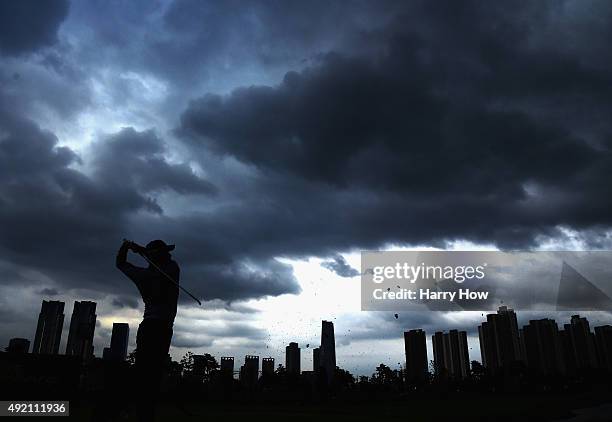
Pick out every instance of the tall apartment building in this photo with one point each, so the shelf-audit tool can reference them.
(267, 367)
(416, 356)
(500, 340)
(543, 348)
(580, 343)
(227, 366)
(327, 351)
(82, 327)
(49, 328)
(119, 342)
(292, 358)
(451, 356)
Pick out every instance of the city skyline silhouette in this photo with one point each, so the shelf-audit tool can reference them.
(558, 342)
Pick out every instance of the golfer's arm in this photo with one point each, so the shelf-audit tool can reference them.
(133, 272)
(121, 260)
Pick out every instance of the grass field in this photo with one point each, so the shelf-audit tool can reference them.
(458, 407)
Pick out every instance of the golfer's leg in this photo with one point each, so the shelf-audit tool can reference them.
(144, 368)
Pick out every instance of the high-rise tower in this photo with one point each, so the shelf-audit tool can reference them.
(49, 328)
(327, 351)
(82, 327)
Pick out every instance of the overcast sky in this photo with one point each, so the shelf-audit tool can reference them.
(272, 141)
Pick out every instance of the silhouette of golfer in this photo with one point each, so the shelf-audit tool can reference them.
(160, 297)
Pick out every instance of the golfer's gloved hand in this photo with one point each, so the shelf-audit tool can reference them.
(134, 246)
(137, 248)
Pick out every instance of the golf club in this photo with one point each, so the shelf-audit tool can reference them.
(164, 274)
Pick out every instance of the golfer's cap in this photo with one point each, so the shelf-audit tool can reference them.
(159, 244)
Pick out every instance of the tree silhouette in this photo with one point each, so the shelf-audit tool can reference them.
(344, 379)
(479, 372)
(384, 375)
(131, 358)
(280, 370)
(207, 365)
(187, 364)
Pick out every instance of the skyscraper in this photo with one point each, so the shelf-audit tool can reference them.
(416, 356)
(18, 346)
(543, 347)
(499, 339)
(292, 358)
(582, 342)
(250, 371)
(603, 343)
(82, 326)
(267, 367)
(106, 354)
(316, 359)
(119, 341)
(441, 363)
(451, 355)
(49, 328)
(327, 351)
(227, 366)
(569, 358)
(488, 347)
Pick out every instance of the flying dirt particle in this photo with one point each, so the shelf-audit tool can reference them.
(396, 316)
(307, 345)
(388, 289)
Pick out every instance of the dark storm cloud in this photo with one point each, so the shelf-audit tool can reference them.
(56, 215)
(27, 25)
(49, 292)
(189, 341)
(434, 137)
(136, 160)
(195, 45)
(125, 302)
(273, 32)
(232, 279)
(67, 224)
(339, 266)
(8, 316)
